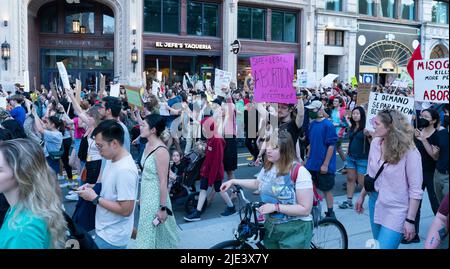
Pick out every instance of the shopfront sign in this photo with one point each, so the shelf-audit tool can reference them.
(172, 45)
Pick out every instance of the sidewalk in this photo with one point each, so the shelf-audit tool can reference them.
(205, 234)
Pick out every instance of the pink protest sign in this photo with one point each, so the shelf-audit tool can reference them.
(273, 76)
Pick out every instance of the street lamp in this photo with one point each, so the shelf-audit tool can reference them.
(76, 26)
(134, 58)
(83, 29)
(6, 53)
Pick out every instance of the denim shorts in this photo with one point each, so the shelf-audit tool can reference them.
(360, 165)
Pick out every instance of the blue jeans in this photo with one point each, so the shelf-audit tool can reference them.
(387, 238)
(53, 164)
(102, 244)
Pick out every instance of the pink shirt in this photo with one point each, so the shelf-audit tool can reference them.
(395, 186)
(79, 132)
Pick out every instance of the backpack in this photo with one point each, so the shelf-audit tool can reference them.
(316, 210)
(78, 238)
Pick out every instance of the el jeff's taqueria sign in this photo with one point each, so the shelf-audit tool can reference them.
(171, 45)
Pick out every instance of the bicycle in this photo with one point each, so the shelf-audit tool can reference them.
(250, 233)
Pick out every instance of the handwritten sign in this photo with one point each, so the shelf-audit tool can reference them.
(381, 101)
(302, 78)
(115, 90)
(63, 74)
(133, 95)
(431, 80)
(273, 76)
(222, 80)
(363, 93)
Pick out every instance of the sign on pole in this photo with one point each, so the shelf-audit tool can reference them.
(115, 90)
(363, 93)
(431, 80)
(302, 78)
(26, 83)
(381, 101)
(273, 76)
(222, 80)
(63, 74)
(133, 95)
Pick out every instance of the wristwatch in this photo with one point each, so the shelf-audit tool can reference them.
(162, 208)
(95, 201)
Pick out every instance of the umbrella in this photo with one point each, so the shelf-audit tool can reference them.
(327, 81)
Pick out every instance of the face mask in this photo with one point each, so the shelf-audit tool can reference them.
(423, 123)
(313, 115)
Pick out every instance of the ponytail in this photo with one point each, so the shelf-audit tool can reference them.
(59, 124)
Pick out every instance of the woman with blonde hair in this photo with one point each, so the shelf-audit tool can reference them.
(396, 164)
(35, 219)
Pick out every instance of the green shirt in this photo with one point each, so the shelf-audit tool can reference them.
(26, 231)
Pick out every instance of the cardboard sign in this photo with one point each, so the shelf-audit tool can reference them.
(155, 88)
(302, 78)
(273, 76)
(363, 94)
(431, 80)
(26, 81)
(115, 90)
(77, 90)
(63, 74)
(133, 95)
(222, 80)
(381, 101)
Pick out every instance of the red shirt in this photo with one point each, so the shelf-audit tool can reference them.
(212, 167)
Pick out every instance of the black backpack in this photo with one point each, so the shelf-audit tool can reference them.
(78, 238)
(83, 151)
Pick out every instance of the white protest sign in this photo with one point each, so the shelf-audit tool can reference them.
(159, 76)
(26, 83)
(155, 88)
(381, 101)
(63, 74)
(222, 80)
(302, 78)
(3, 102)
(431, 80)
(199, 85)
(399, 83)
(115, 90)
(163, 111)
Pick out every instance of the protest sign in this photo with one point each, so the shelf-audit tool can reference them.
(381, 101)
(222, 80)
(363, 93)
(102, 85)
(134, 96)
(159, 76)
(431, 80)
(354, 82)
(199, 85)
(63, 74)
(54, 92)
(208, 84)
(185, 86)
(3, 102)
(115, 90)
(399, 83)
(302, 78)
(26, 83)
(155, 88)
(163, 111)
(273, 76)
(77, 90)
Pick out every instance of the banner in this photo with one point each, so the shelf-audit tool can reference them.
(26, 83)
(222, 80)
(302, 78)
(381, 101)
(133, 95)
(63, 74)
(115, 90)
(363, 93)
(431, 80)
(273, 76)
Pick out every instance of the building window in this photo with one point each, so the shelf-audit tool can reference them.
(49, 19)
(334, 38)
(367, 7)
(335, 5)
(408, 9)
(108, 25)
(284, 26)
(202, 19)
(251, 23)
(87, 20)
(161, 16)
(439, 12)
(388, 8)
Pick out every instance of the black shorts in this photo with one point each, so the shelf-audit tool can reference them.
(204, 184)
(230, 160)
(324, 182)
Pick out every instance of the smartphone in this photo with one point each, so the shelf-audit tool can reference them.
(156, 222)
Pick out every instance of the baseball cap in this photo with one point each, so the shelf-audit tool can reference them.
(315, 105)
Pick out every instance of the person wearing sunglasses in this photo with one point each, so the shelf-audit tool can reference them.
(398, 188)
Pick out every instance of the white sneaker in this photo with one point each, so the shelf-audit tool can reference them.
(72, 197)
(64, 185)
(71, 193)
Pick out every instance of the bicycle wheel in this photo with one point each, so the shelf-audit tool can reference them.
(192, 201)
(329, 234)
(232, 244)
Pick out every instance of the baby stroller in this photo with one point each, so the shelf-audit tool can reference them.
(185, 185)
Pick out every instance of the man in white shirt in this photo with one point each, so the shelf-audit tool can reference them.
(114, 216)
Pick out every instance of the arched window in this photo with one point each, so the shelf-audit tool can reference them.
(439, 51)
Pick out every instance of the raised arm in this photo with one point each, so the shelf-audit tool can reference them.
(300, 113)
(76, 106)
(37, 122)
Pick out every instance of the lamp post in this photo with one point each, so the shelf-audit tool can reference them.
(6, 53)
(134, 58)
(76, 26)
(83, 29)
